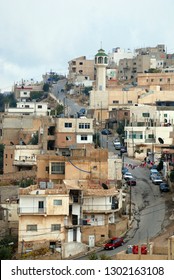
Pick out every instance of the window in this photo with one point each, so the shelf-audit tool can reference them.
(58, 168)
(115, 101)
(151, 136)
(161, 80)
(129, 101)
(47, 168)
(57, 202)
(27, 106)
(68, 138)
(80, 63)
(84, 137)
(25, 93)
(84, 125)
(55, 227)
(146, 115)
(31, 227)
(125, 113)
(152, 80)
(68, 124)
(39, 106)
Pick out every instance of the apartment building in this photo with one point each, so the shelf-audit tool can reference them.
(80, 67)
(25, 86)
(164, 80)
(49, 217)
(85, 186)
(29, 108)
(20, 158)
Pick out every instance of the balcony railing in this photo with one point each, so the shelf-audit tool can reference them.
(32, 210)
(150, 140)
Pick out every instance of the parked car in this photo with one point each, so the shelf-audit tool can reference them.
(154, 167)
(124, 170)
(131, 182)
(153, 175)
(143, 249)
(114, 243)
(106, 131)
(154, 172)
(117, 145)
(127, 176)
(164, 187)
(82, 111)
(123, 149)
(157, 180)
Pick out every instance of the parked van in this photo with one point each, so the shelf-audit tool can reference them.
(117, 145)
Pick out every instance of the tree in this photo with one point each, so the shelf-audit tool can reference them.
(96, 140)
(171, 176)
(36, 95)
(160, 166)
(46, 87)
(86, 90)
(34, 140)
(5, 253)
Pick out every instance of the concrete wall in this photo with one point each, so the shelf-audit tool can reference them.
(72, 249)
(100, 233)
(119, 228)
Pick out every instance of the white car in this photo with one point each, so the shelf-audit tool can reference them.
(127, 176)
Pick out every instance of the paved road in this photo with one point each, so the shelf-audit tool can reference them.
(71, 108)
(148, 207)
(147, 203)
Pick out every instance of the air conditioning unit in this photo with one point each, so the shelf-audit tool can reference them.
(42, 185)
(50, 185)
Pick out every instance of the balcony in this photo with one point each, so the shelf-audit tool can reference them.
(31, 210)
(71, 222)
(100, 208)
(150, 140)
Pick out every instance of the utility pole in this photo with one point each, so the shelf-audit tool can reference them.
(130, 200)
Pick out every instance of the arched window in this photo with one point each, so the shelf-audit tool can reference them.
(106, 60)
(100, 59)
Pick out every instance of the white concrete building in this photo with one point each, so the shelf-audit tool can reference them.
(29, 108)
(117, 54)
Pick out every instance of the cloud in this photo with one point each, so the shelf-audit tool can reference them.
(43, 35)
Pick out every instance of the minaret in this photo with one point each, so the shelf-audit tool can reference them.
(101, 62)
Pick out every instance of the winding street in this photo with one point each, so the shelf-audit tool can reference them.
(148, 205)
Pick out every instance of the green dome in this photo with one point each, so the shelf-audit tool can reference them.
(101, 52)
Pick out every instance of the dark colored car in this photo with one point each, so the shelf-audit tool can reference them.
(164, 187)
(82, 111)
(114, 243)
(124, 170)
(123, 149)
(131, 182)
(106, 131)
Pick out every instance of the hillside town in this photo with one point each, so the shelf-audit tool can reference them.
(66, 146)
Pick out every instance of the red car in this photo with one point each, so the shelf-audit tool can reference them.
(114, 243)
(131, 182)
(143, 249)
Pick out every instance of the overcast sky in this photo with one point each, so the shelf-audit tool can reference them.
(41, 35)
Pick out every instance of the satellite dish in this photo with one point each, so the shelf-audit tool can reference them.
(161, 140)
(105, 187)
